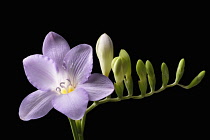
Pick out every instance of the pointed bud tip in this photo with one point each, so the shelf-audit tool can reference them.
(196, 80)
(202, 73)
(182, 60)
(104, 35)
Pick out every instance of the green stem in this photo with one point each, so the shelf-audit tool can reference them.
(77, 130)
(83, 124)
(74, 129)
(79, 125)
(127, 97)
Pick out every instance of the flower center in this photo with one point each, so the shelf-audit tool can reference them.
(65, 87)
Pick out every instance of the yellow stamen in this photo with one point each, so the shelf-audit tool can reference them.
(65, 91)
(70, 89)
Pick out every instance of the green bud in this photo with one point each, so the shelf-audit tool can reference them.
(117, 68)
(141, 71)
(151, 75)
(196, 80)
(124, 65)
(123, 54)
(119, 88)
(180, 71)
(165, 74)
(113, 62)
(105, 52)
(127, 71)
(129, 85)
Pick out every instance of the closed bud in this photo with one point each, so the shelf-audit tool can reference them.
(104, 51)
(196, 80)
(123, 54)
(141, 71)
(127, 71)
(151, 75)
(165, 74)
(180, 71)
(117, 68)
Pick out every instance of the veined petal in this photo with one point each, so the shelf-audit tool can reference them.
(79, 63)
(98, 86)
(73, 104)
(55, 47)
(41, 71)
(36, 105)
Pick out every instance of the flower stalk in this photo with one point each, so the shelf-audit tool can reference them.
(77, 129)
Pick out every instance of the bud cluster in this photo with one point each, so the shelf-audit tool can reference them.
(121, 67)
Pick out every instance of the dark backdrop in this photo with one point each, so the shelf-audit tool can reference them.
(159, 34)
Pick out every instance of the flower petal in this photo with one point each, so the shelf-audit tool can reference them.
(41, 71)
(79, 63)
(55, 47)
(36, 105)
(73, 104)
(98, 86)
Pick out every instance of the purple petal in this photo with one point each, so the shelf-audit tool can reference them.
(36, 105)
(73, 104)
(55, 47)
(98, 86)
(40, 71)
(79, 63)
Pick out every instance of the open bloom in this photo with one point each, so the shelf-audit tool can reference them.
(63, 79)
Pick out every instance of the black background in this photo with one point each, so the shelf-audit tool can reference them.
(152, 32)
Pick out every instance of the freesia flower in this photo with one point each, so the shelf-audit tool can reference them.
(63, 80)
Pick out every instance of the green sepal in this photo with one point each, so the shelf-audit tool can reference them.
(143, 87)
(119, 88)
(196, 80)
(151, 75)
(129, 85)
(165, 74)
(180, 70)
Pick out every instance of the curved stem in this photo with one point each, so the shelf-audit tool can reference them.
(109, 99)
(127, 97)
(77, 126)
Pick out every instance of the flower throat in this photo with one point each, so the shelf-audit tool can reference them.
(65, 87)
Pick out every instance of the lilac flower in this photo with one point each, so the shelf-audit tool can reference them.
(63, 79)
